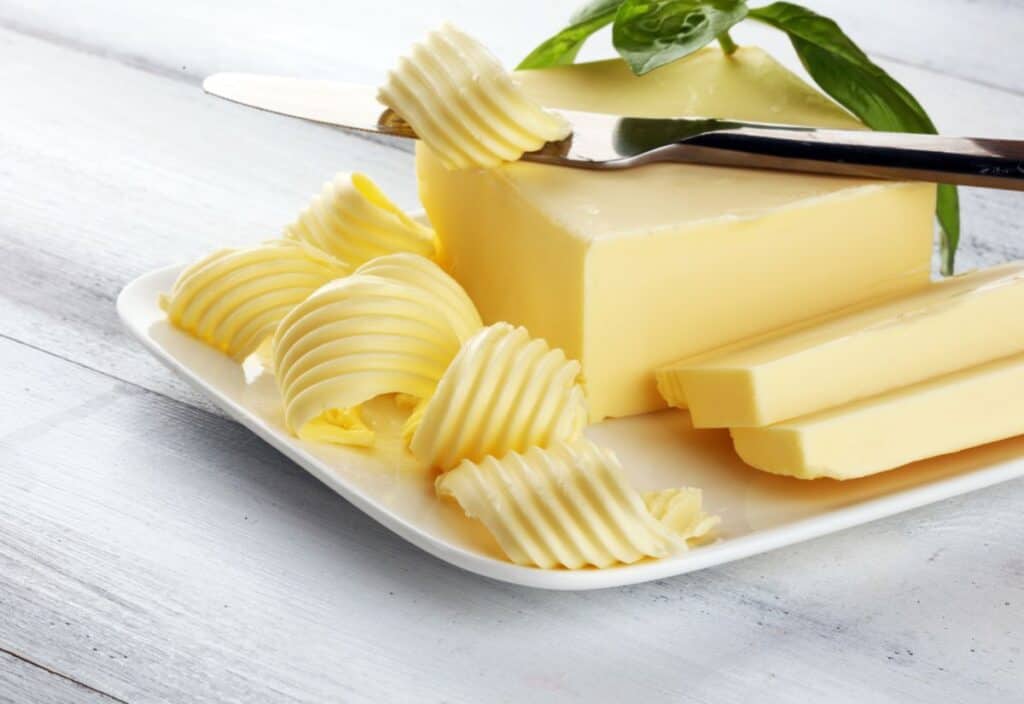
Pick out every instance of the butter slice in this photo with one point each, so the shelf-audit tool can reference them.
(949, 413)
(629, 271)
(950, 325)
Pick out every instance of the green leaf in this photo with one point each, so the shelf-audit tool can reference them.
(947, 208)
(846, 73)
(652, 33)
(562, 48)
(594, 9)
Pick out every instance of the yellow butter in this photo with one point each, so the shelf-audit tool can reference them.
(354, 221)
(632, 270)
(947, 326)
(340, 426)
(458, 99)
(949, 413)
(381, 330)
(680, 510)
(568, 506)
(233, 299)
(503, 392)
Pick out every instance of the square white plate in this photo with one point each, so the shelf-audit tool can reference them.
(759, 511)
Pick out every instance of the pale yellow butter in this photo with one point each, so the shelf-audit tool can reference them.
(949, 413)
(680, 509)
(392, 327)
(233, 299)
(503, 392)
(569, 506)
(354, 221)
(629, 271)
(458, 99)
(944, 327)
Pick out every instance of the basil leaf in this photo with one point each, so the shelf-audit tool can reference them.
(562, 48)
(594, 9)
(846, 73)
(652, 33)
(947, 208)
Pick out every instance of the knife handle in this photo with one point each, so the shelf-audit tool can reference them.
(988, 163)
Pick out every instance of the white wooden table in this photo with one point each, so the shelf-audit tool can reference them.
(152, 551)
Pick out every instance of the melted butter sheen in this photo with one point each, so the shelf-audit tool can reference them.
(679, 510)
(503, 392)
(353, 220)
(463, 105)
(233, 299)
(391, 327)
(567, 506)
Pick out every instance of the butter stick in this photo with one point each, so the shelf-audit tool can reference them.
(947, 326)
(950, 413)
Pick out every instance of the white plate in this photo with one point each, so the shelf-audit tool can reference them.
(759, 511)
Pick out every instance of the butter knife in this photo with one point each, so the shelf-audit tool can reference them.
(607, 142)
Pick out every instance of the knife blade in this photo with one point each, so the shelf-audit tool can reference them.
(607, 142)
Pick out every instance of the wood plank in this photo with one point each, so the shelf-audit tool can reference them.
(160, 553)
(192, 38)
(22, 681)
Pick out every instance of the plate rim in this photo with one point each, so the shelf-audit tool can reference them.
(754, 543)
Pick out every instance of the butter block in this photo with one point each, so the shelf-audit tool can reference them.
(947, 326)
(935, 417)
(629, 271)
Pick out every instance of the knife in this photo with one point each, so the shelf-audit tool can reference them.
(606, 142)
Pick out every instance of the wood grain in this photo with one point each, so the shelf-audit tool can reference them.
(22, 680)
(155, 552)
(109, 187)
(972, 39)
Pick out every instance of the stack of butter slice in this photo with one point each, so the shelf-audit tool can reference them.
(873, 387)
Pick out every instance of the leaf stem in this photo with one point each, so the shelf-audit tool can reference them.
(728, 45)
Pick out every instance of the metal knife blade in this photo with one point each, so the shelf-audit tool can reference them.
(610, 142)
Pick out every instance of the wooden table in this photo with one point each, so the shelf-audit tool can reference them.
(152, 551)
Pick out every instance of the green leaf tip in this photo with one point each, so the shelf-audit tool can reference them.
(844, 71)
(651, 33)
(562, 48)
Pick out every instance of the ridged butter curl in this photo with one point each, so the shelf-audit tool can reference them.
(353, 220)
(681, 511)
(393, 326)
(505, 391)
(462, 103)
(233, 299)
(569, 505)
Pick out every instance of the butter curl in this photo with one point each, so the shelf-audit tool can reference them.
(503, 392)
(569, 505)
(391, 327)
(462, 103)
(353, 220)
(680, 510)
(233, 299)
